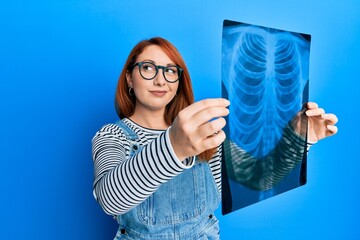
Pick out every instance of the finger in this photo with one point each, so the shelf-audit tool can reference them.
(204, 104)
(315, 112)
(214, 141)
(330, 118)
(333, 129)
(206, 115)
(211, 128)
(312, 105)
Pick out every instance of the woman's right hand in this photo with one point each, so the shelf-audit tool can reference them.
(198, 127)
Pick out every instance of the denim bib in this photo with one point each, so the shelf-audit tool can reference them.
(181, 208)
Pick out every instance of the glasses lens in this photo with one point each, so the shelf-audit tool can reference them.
(148, 70)
(171, 73)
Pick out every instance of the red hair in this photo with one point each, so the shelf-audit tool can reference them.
(125, 104)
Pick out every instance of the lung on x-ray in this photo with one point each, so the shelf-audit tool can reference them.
(265, 75)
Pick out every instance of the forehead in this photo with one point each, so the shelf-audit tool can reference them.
(154, 53)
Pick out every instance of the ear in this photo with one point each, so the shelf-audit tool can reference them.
(128, 79)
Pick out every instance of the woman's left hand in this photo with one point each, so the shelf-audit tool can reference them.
(320, 124)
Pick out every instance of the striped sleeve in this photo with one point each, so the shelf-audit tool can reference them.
(215, 166)
(262, 174)
(121, 183)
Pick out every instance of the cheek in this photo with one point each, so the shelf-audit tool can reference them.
(175, 87)
(139, 84)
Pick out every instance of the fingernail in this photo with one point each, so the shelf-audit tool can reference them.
(331, 127)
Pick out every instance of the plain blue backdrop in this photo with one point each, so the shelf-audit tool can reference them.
(59, 65)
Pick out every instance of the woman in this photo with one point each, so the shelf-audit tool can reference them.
(146, 174)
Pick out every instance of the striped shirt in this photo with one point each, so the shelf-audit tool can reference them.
(121, 183)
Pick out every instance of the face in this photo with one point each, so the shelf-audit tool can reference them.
(153, 94)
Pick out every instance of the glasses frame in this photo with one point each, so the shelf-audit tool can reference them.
(180, 70)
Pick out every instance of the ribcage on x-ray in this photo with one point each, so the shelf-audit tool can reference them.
(265, 88)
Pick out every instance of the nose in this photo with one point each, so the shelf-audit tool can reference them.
(159, 79)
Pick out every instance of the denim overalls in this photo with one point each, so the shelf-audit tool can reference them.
(181, 208)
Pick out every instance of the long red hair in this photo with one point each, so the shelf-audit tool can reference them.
(125, 103)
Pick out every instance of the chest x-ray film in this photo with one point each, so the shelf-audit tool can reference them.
(265, 75)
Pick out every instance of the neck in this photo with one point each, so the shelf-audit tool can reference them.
(150, 119)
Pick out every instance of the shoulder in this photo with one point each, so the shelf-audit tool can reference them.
(110, 130)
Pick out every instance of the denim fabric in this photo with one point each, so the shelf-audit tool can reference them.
(181, 208)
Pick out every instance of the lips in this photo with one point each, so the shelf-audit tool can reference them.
(158, 93)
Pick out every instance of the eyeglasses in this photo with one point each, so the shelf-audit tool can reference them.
(149, 70)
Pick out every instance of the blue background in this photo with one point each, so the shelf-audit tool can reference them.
(59, 64)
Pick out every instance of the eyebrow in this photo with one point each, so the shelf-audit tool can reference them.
(147, 60)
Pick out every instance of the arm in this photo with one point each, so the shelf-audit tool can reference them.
(215, 166)
(263, 174)
(120, 183)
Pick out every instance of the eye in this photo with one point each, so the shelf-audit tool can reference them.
(172, 70)
(148, 67)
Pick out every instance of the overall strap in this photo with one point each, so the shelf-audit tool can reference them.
(130, 134)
